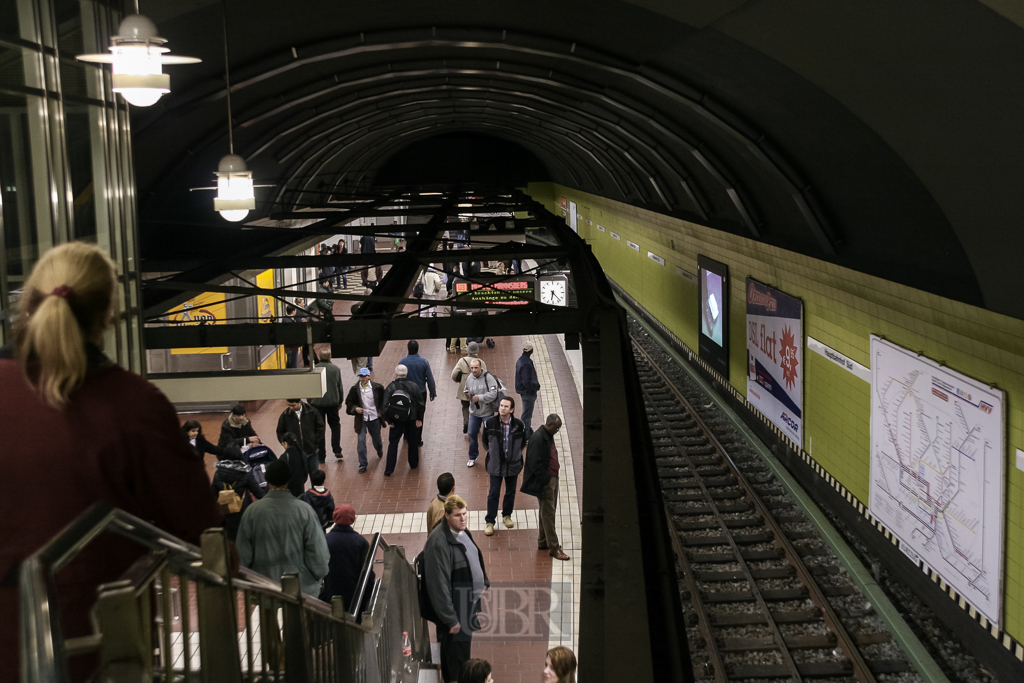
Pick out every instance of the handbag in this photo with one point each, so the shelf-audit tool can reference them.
(229, 499)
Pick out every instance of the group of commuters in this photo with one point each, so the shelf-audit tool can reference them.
(80, 414)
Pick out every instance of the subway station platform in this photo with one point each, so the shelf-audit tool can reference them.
(536, 596)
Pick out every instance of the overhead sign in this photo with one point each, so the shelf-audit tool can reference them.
(775, 362)
(500, 291)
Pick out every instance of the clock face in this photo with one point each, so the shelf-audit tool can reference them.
(553, 292)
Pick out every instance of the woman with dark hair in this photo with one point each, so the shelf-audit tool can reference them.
(560, 665)
(476, 671)
(193, 432)
(233, 474)
(97, 431)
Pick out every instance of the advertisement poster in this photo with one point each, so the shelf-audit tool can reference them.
(775, 370)
(206, 309)
(271, 357)
(713, 323)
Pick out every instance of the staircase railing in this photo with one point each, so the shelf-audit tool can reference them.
(178, 614)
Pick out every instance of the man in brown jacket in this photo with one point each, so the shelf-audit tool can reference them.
(445, 488)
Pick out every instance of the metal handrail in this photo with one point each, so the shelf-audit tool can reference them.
(364, 573)
(320, 641)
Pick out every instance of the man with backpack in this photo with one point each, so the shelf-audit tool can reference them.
(403, 410)
(482, 392)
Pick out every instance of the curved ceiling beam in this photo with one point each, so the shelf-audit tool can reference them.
(392, 135)
(756, 144)
(600, 98)
(525, 133)
(533, 132)
(672, 164)
(550, 122)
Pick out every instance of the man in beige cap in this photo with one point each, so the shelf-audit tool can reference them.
(460, 373)
(527, 386)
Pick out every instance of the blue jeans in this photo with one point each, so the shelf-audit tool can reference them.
(474, 435)
(526, 415)
(507, 502)
(373, 427)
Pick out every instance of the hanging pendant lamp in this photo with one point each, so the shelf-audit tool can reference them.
(235, 194)
(137, 57)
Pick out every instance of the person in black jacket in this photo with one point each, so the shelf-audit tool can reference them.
(455, 580)
(540, 479)
(305, 422)
(301, 465)
(193, 432)
(319, 498)
(232, 473)
(237, 429)
(348, 550)
(403, 391)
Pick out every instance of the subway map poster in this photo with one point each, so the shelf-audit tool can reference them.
(937, 470)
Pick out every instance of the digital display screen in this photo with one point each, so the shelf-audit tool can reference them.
(713, 310)
(711, 315)
(517, 291)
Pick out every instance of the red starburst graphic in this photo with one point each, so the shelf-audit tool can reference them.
(787, 358)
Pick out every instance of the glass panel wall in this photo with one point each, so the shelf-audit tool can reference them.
(65, 153)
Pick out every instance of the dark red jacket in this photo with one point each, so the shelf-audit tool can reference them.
(118, 440)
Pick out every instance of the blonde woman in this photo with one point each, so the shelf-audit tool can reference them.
(79, 429)
(560, 665)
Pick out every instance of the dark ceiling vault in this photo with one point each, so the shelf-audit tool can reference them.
(804, 127)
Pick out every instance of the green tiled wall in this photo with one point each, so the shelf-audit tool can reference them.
(841, 309)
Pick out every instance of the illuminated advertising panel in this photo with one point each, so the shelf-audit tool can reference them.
(713, 339)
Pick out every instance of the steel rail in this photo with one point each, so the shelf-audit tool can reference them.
(861, 669)
(695, 594)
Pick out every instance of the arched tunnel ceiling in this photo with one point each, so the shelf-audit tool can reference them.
(882, 136)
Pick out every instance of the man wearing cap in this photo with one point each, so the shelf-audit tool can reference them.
(460, 373)
(280, 533)
(347, 550)
(365, 401)
(527, 386)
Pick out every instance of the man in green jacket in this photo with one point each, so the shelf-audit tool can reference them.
(280, 534)
(329, 404)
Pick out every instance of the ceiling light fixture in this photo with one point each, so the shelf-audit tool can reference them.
(137, 58)
(236, 196)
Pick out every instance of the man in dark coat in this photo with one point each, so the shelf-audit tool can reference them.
(527, 386)
(407, 426)
(504, 436)
(368, 245)
(540, 479)
(420, 373)
(455, 580)
(305, 422)
(348, 551)
(365, 401)
(237, 429)
(329, 404)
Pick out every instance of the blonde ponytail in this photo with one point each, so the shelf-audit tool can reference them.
(66, 297)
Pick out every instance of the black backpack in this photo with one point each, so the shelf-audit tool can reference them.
(417, 291)
(399, 407)
(426, 607)
(502, 390)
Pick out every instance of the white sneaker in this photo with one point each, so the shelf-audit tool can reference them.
(471, 463)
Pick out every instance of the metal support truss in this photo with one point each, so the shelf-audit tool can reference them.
(629, 601)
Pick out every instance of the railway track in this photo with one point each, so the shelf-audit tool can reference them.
(765, 600)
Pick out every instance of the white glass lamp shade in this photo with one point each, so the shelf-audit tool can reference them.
(138, 74)
(137, 56)
(235, 194)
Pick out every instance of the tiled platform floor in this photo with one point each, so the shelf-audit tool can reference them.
(396, 505)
